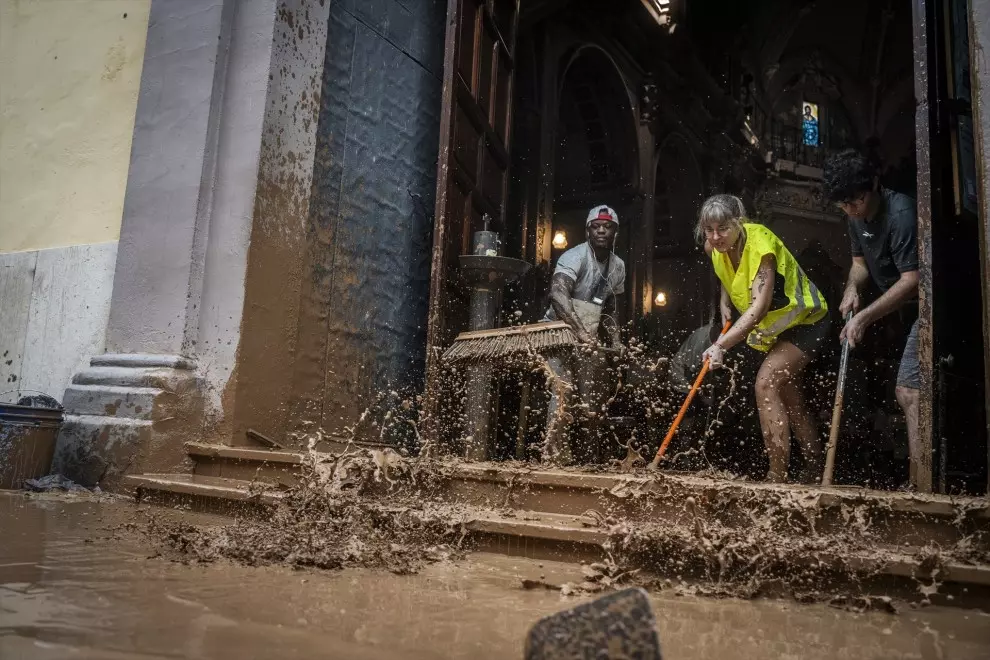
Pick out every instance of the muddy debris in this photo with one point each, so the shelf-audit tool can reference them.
(598, 577)
(860, 604)
(377, 508)
(326, 523)
(56, 483)
(781, 550)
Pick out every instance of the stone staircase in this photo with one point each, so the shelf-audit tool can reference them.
(664, 519)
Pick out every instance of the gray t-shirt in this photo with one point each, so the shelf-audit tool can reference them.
(888, 242)
(580, 265)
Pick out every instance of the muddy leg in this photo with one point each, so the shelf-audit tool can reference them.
(589, 374)
(909, 399)
(557, 447)
(784, 362)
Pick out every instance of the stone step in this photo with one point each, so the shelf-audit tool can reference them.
(233, 490)
(529, 524)
(547, 535)
(156, 377)
(886, 517)
(276, 466)
(140, 360)
(896, 518)
(111, 401)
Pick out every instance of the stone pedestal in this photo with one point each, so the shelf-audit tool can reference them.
(127, 413)
(479, 427)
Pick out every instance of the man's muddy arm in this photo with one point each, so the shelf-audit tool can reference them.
(859, 274)
(903, 290)
(561, 291)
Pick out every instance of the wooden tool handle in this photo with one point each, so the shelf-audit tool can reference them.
(512, 330)
(684, 407)
(833, 432)
(833, 439)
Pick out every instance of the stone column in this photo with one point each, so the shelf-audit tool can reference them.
(178, 295)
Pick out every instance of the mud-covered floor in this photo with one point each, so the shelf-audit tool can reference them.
(74, 583)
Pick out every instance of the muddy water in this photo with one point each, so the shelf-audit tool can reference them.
(71, 587)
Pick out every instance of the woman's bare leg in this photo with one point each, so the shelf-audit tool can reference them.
(783, 363)
(803, 427)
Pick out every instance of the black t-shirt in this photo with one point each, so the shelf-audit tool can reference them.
(888, 242)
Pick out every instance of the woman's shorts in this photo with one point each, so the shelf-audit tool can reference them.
(811, 339)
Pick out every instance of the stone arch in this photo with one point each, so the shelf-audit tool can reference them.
(593, 94)
(678, 190)
(597, 151)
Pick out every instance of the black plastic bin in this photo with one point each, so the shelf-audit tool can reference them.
(27, 442)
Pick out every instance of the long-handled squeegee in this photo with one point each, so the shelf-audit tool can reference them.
(687, 402)
(833, 433)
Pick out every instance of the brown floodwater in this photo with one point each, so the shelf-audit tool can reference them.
(73, 585)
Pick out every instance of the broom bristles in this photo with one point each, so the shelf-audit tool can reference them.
(495, 347)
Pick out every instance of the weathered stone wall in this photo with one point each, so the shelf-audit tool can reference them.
(70, 73)
(55, 303)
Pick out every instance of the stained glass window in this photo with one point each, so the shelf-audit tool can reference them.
(809, 123)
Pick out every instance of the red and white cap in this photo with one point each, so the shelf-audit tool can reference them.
(602, 213)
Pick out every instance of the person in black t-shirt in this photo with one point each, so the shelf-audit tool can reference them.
(883, 231)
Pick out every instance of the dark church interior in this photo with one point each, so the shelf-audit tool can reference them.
(649, 106)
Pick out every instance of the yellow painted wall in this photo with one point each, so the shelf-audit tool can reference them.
(69, 77)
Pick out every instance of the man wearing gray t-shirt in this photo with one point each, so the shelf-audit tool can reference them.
(590, 273)
(583, 293)
(883, 230)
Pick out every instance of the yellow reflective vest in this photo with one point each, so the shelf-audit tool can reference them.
(804, 303)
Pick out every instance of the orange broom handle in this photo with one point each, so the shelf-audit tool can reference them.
(684, 407)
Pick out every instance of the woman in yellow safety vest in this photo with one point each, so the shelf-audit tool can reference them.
(782, 314)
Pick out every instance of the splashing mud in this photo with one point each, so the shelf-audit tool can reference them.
(326, 523)
(710, 532)
(376, 508)
(747, 540)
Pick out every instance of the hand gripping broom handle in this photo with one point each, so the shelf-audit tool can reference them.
(684, 407)
(833, 433)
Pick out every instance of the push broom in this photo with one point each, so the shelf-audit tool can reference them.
(687, 402)
(501, 343)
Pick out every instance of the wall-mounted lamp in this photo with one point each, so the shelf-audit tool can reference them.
(661, 299)
(559, 240)
(663, 6)
(660, 10)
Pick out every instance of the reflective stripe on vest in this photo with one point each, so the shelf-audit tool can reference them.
(805, 304)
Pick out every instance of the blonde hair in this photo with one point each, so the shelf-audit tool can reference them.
(719, 209)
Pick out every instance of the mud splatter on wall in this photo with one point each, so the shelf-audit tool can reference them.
(269, 328)
(366, 285)
(338, 270)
